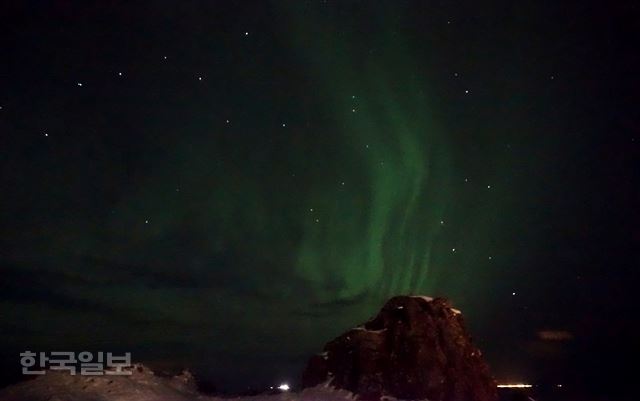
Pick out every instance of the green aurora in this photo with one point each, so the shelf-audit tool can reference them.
(312, 212)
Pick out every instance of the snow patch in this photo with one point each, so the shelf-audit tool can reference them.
(428, 299)
(362, 328)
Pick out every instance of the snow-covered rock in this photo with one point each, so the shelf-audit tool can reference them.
(141, 385)
(415, 348)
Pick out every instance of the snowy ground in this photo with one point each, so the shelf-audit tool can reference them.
(141, 385)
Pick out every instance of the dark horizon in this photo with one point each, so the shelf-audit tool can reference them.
(227, 187)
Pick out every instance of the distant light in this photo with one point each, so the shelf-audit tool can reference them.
(119, 74)
(516, 385)
(79, 83)
(513, 293)
(559, 385)
(284, 125)
(283, 387)
(246, 34)
(453, 249)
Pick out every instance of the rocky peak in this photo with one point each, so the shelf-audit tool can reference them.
(415, 348)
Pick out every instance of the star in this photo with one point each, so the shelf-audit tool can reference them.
(466, 91)
(488, 186)
(227, 121)
(311, 210)
(513, 293)
(165, 57)
(45, 134)
(284, 125)
(199, 78)
(453, 249)
(79, 84)
(246, 34)
(120, 74)
(441, 222)
(353, 110)
(146, 222)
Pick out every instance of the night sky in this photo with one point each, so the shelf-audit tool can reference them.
(228, 185)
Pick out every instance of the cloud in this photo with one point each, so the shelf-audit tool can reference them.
(555, 335)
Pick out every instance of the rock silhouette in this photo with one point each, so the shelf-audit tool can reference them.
(415, 348)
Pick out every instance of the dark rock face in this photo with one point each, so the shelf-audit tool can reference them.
(415, 348)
